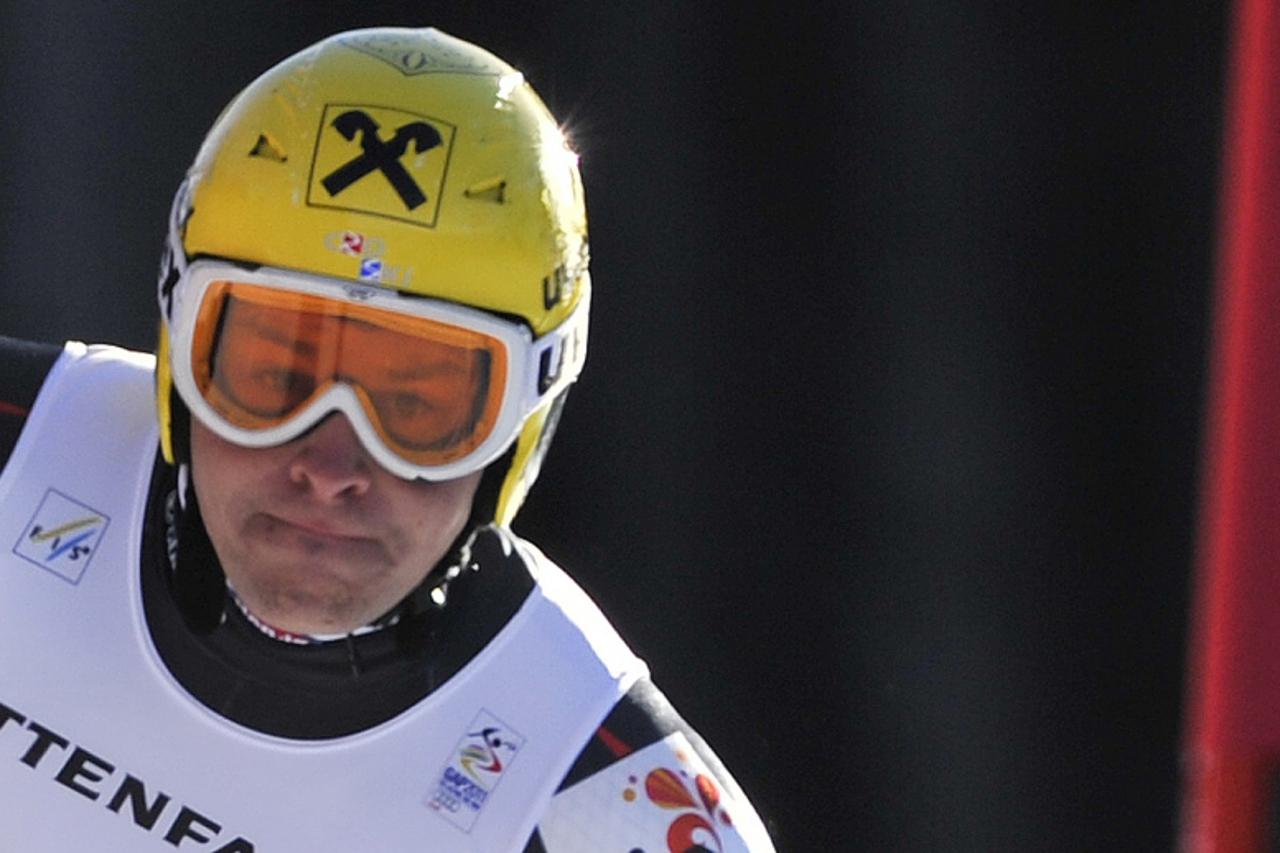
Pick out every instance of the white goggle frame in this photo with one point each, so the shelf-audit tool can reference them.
(537, 371)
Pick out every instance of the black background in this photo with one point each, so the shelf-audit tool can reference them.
(885, 454)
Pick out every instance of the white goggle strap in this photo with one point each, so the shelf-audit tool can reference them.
(558, 356)
(173, 259)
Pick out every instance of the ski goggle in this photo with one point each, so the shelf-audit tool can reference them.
(433, 390)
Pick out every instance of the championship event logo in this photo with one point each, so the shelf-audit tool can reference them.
(62, 536)
(380, 161)
(479, 761)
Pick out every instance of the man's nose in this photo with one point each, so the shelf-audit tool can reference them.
(330, 460)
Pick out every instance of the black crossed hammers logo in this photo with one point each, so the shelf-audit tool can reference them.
(380, 155)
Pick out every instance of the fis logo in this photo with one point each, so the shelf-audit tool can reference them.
(62, 536)
(479, 761)
(380, 161)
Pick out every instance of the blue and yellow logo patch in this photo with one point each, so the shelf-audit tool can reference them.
(62, 536)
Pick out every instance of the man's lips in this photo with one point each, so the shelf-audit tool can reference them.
(315, 536)
(320, 528)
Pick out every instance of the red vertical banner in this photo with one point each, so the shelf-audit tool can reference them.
(1232, 739)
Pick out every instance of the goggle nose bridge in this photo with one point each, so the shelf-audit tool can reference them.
(343, 399)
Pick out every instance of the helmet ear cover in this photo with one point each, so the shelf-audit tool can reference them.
(174, 417)
(529, 451)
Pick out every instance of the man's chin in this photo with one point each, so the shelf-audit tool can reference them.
(306, 600)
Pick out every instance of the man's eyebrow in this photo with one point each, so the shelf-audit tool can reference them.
(268, 332)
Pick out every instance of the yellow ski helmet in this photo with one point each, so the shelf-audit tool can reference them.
(395, 160)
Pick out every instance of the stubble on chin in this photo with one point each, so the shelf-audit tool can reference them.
(305, 609)
(305, 596)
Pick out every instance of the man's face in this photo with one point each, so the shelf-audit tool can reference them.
(314, 535)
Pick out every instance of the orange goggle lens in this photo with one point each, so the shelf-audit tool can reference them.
(431, 390)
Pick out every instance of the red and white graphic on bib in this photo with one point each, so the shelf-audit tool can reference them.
(661, 799)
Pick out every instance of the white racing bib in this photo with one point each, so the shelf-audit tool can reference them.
(101, 750)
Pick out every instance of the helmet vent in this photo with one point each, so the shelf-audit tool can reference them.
(268, 148)
(494, 190)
